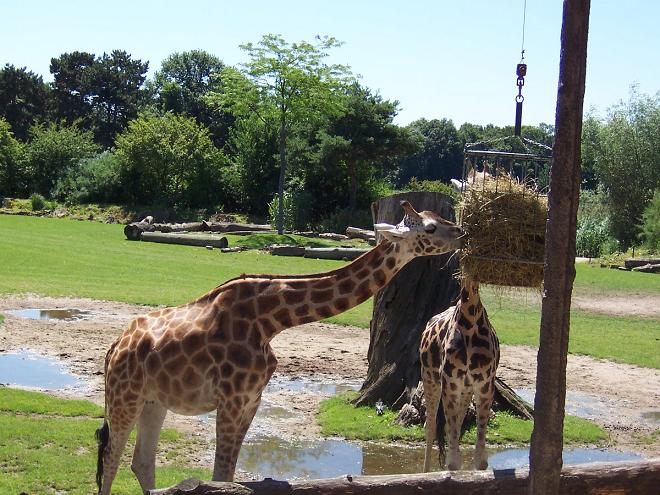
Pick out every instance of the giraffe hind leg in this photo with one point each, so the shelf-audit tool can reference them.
(144, 456)
(117, 438)
(483, 402)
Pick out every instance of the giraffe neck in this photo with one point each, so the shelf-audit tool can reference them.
(284, 302)
(469, 305)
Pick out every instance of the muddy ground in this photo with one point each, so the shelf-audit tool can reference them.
(329, 354)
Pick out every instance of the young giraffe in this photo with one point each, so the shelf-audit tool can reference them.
(459, 352)
(215, 354)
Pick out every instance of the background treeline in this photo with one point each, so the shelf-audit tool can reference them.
(200, 134)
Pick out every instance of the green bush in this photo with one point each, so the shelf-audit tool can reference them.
(651, 224)
(289, 211)
(341, 218)
(171, 159)
(53, 151)
(93, 180)
(13, 176)
(431, 186)
(591, 235)
(37, 202)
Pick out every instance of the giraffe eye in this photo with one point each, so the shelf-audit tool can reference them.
(430, 228)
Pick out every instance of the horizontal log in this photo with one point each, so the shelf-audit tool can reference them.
(287, 251)
(234, 227)
(615, 478)
(356, 233)
(334, 253)
(333, 237)
(178, 227)
(185, 239)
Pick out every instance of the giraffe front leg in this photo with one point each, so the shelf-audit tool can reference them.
(144, 457)
(231, 425)
(432, 390)
(483, 402)
(455, 407)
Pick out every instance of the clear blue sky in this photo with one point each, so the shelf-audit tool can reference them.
(443, 58)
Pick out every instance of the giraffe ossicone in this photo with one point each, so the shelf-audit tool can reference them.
(214, 353)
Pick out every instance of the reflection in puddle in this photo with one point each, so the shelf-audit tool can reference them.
(26, 369)
(652, 416)
(281, 382)
(50, 314)
(276, 458)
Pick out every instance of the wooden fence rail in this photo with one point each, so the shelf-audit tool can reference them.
(613, 478)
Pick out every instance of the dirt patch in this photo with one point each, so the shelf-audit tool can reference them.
(644, 305)
(317, 351)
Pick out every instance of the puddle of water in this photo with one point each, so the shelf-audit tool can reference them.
(26, 369)
(592, 406)
(281, 382)
(652, 416)
(50, 314)
(275, 458)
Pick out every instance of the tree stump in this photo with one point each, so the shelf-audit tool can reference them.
(423, 288)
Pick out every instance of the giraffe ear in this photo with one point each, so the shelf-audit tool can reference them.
(457, 184)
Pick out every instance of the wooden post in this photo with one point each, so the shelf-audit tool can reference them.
(559, 270)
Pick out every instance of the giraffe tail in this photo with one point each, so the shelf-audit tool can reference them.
(102, 437)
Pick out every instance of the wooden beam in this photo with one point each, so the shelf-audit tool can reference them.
(186, 239)
(615, 478)
(559, 270)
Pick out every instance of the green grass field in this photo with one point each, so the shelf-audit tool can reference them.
(47, 445)
(338, 417)
(86, 259)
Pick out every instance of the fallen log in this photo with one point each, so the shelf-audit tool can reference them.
(333, 237)
(185, 239)
(234, 227)
(287, 251)
(133, 231)
(648, 268)
(616, 478)
(365, 235)
(334, 253)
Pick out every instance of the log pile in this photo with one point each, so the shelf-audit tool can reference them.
(620, 478)
(134, 231)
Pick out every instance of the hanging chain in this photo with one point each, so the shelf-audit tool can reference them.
(521, 72)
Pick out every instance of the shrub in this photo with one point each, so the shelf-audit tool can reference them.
(651, 224)
(13, 176)
(341, 218)
(431, 186)
(53, 151)
(37, 202)
(92, 180)
(591, 236)
(170, 158)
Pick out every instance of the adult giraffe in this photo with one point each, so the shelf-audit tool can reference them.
(214, 353)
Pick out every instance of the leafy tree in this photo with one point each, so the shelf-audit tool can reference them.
(440, 156)
(627, 162)
(73, 95)
(100, 94)
(591, 128)
(283, 84)
(362, 138)
(52, 151)
(117, 86)
(170, 159)
(13, 177)
(23, 97)
(252, 150)
(181, 86)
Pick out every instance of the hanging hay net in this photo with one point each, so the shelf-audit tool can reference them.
(503, 211)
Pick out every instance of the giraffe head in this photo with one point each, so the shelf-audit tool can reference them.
(422, 233)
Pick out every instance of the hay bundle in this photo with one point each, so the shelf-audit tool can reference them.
(504, 221)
